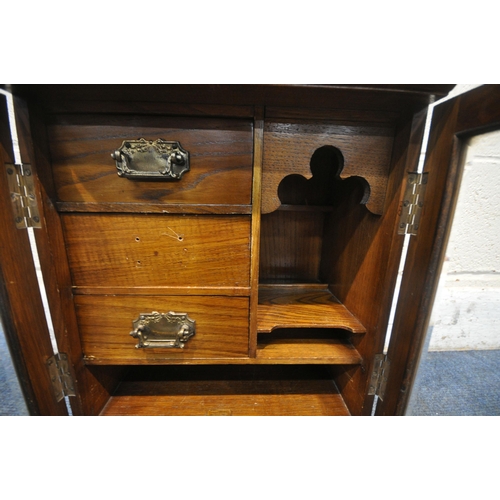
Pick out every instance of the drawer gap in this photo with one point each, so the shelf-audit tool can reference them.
(152, 208)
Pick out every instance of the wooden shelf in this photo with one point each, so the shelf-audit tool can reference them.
(302, 306)
(245, 391)
(307, 350)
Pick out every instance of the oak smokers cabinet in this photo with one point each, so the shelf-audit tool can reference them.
(226, 250)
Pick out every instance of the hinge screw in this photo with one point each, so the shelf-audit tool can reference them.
(10, 171)
(27, 172)
(36, 219)
(19, 219)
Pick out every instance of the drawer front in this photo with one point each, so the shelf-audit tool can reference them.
(105, 322)
(158, 251)
(220, 157)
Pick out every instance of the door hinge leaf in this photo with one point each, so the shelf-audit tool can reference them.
(413, 203)
(22, 193)
(60, 376)
(380, 374)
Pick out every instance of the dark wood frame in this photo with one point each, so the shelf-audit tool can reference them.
(453, 123)
(21, 306)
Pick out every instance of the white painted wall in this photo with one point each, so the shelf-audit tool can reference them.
(466, 314)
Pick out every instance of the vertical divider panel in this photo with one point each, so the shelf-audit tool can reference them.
(258, 150)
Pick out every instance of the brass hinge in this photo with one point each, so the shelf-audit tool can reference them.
(60, 376)
(413, 202)
(380, 373)
(22, 194)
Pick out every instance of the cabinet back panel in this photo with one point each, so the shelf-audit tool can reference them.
(290, 248)
(288, 148)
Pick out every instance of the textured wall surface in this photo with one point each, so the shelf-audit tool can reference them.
(467, 309)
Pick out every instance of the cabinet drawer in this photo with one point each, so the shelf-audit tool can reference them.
(105, 322)
(220, 157)
(117, 250)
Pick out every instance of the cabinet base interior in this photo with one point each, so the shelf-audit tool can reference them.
(227, 390)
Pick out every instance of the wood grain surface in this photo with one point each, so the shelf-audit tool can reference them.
(114, 248)
(220, 159)
(288, 148)
(153, 208)
(290, 246)
(255, 264)
(307, 346)
(302, 306)
(377, 97)
(147, 250)
(217, 391)
(106, 322)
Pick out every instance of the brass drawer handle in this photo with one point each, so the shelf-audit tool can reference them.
(150, 160)
(171, 330)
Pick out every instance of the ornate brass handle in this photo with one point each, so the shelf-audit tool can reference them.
(150, 160)
(163, 330)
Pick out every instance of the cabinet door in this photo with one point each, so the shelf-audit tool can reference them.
(21, 307)
(453, 123)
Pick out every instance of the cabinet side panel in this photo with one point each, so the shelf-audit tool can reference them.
(364, 251)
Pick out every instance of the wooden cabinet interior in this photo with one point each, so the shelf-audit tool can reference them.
(325, 254)
(282, 241)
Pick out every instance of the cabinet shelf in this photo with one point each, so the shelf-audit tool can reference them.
(302, 306)
(223, 390)
(307, 346)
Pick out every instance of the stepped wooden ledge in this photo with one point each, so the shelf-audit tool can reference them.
(302, 306)
(308, 351)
